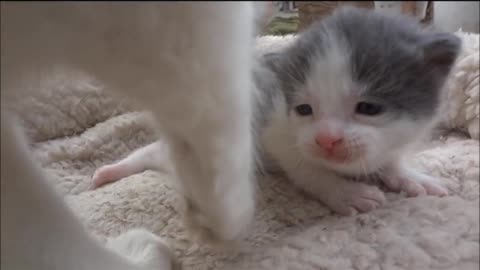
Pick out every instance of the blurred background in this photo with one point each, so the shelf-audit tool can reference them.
(294, 16)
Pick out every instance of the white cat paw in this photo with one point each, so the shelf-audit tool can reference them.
(144, 249)
(414, 184)
(221, 226)
(108, 174)
(349, 198)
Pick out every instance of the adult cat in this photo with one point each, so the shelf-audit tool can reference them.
(183, 61)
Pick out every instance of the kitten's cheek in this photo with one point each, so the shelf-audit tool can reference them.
(364, 153)
(311, 151)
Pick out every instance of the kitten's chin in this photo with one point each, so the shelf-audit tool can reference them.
(350, 166)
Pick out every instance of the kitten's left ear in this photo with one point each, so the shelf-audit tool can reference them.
(441, 51)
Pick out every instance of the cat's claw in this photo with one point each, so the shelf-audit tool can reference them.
(352, 197)
(144, 249)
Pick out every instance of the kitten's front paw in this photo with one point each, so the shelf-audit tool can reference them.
(349, 198)
(145, 249)
(414, 183)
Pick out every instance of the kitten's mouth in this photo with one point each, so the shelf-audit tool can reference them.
(332, 156)
(337, 157)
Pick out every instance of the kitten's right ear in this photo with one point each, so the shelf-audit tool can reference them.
(441, 51)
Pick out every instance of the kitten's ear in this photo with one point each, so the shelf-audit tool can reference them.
(441, 51)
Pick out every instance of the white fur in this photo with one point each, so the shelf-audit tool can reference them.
(186, 62)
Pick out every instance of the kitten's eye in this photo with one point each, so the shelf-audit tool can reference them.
(304, 109)
(367, 108)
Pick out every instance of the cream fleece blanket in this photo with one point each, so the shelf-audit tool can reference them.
(76, 127)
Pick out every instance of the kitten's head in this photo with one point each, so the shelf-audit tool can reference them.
(361, 86)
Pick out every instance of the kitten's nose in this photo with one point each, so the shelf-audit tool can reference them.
(328, 142)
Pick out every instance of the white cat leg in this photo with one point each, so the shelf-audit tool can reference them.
(40, 232)
(202, 102)
(189, 63)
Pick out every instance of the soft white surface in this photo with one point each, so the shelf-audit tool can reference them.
(75, 128)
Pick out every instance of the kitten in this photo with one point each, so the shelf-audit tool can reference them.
(347, 101)
(357, 91)
(167, 58)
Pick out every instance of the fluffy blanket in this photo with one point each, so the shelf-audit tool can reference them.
(75, 127)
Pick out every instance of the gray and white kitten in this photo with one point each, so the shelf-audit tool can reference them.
(345, 101)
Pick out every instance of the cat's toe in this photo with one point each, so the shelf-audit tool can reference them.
(412, 188)
(363, 204)
(144, 248)
(105, 175)
(369, 198)
(415, 184)
(433, 188)
(356, 198)
(344, 210)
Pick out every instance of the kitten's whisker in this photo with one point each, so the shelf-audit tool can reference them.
(300, 160)
(381, 172)
(363, 164)
(349, 145)
(295, 146)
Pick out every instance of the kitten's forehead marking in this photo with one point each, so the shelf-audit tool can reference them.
(386, 59)
(361, 53)
(330, 83)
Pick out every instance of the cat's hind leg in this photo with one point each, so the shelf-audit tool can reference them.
(154, 156)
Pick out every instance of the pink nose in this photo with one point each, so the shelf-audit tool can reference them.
(328, 142)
